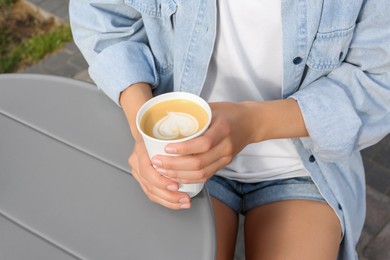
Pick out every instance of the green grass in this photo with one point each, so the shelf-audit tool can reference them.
(6, 2)
(17, 51)
(31, 50)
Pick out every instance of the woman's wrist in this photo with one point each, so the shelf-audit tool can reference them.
(274, 120)
(131, 99)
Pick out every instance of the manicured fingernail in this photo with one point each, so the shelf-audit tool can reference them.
(185, 206)
(156, 163)
(172, 187)
(169, 149)
(184, 200)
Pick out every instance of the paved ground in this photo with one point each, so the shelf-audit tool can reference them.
(375, 239)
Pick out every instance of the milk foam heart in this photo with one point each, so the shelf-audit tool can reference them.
(175, 124)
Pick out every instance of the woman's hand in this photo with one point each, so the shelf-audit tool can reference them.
(157, 188)
(233, 126)
(228, 134)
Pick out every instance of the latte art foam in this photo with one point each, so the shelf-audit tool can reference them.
(174, 125)
(174, 119)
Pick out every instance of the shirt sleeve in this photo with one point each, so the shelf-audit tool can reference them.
(349, 109)
(112, 38)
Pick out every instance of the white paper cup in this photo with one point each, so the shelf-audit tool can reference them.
(156, 146)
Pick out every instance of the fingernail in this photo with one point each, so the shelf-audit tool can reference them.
(172, 187)
(156, 163)
(185, 206)
(184, 200)
(169, 149)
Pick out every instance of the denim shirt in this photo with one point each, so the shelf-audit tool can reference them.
(336, 65)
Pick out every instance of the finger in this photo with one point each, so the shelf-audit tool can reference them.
(149, 174)
(223, 151)
(158, 189)
(197, 176)
(214, 135)
(184, 203)
(169, 199)
(161, 186)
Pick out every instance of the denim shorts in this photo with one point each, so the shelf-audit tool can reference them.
(242, 197)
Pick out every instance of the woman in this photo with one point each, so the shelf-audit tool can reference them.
(297, 89)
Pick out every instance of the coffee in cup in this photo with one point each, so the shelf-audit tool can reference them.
(174, 119)
(170, 118)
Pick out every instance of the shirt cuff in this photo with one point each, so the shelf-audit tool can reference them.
(123, 64)
(330, 118)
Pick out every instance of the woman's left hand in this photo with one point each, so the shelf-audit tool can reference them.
(228, 134)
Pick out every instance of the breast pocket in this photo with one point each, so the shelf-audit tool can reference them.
(160, 9)
(329, 49)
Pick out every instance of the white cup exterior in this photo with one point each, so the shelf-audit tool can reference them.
(156, 146)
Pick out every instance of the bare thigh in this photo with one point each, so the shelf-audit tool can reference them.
(293, 229)
(226, 222)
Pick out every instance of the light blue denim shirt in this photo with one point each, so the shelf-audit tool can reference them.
(336, 65)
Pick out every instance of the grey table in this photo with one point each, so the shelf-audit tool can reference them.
(66, 191)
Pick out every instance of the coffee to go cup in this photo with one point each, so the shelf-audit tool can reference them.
(171, 118)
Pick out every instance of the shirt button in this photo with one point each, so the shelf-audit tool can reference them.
(312, 158)
(297, 60)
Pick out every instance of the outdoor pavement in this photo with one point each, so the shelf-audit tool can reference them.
(375, 240)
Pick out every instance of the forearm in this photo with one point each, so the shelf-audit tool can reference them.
(131, 99)
(274, 120)
(111, 37)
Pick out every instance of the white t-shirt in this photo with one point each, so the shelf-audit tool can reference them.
(247, 65)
